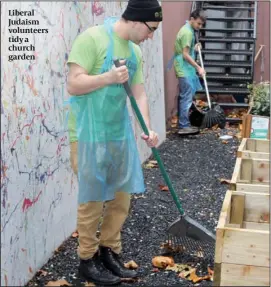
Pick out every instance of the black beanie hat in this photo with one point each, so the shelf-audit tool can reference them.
(143, 11)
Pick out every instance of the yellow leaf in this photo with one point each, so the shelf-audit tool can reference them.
(131, 265)
(58, 283)
(151, 164)
(162, 261)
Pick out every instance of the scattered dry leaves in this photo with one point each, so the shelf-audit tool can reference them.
(131, 265)
(178, 267)
(163, 187)
(58, 283)
(224, 181)
(162, 261)
(172, 248)
(186, 273)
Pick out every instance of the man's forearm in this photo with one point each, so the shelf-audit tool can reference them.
(191, 61)
(84, 84)
(143, 105)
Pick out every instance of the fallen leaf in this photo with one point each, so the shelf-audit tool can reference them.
(163, 187)
(58, 283)
(195, 279)
(224, 181)
(30, 269)
(75, 234)
(162, 261)
(131, 265)
(225, 142)
(89, 284)
(173, 248)
(186, 273)
(151, 164)
(177, 267)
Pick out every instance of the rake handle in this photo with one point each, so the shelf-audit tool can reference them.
(204, 76)
(154, 150)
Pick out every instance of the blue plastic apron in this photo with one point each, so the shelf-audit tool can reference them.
(108, 159)
(188, 69)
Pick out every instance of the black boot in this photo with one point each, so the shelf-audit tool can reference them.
(94, 271)
(113, 263)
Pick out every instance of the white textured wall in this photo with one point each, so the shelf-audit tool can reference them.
(38, 189)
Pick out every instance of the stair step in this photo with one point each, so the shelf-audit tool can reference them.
(238, 64)
(217, 7)
(227, 52)
(234, 120)
(226, 40)
(230, 19)
(229, 77)
(225, 91)
(234, 105)
(227, 2)
(227, 30)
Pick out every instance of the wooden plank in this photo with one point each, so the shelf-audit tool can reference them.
(243, 275)
(261, 188)
(246, 170)
(256, 226)
(237, 209)
(257, 207)
(222, 222)
(244, 245)
(253, 155)
(242, 147)
(236, 174)
(217, 274)
(250, 145)
(260, 171)
(262, 145)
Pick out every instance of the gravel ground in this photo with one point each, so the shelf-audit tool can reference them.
(195, 164)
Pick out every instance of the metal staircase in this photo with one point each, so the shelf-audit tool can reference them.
(228, 46)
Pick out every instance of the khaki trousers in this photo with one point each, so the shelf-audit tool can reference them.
(89, 216)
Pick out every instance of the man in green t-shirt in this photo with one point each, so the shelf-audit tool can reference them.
(186, 68)
(103, 148)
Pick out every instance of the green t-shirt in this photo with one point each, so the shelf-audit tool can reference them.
(89, 51)
(184, 39)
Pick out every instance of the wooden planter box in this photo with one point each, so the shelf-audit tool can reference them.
(254, 148)
(251, 175)
(242, 240)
